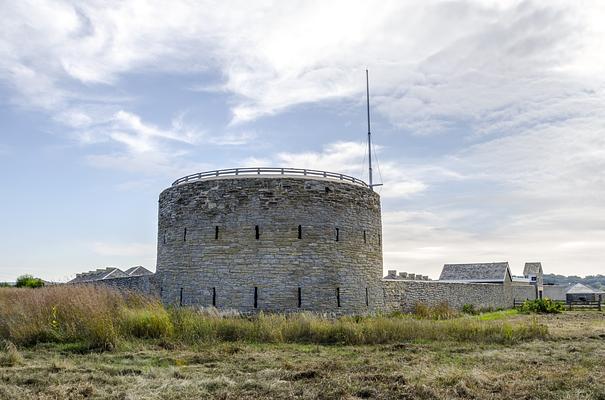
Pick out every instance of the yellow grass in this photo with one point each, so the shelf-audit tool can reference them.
(102, 318)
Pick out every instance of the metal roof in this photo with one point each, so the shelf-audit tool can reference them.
(579, 288)
(138, 271)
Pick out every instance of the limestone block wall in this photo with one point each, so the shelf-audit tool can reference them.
(555, 292)
(145, 284)
(402, 295)
(524, 292)
(273, 243)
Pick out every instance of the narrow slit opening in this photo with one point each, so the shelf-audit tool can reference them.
(216, 232)
(300, 231)
(337, 234)
(338, 297)
(255, 297)
(299, 297)
(257, 232)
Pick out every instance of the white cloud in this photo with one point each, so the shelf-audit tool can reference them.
(521, 83)
(348, 158)
(233, 138)
(461, 60)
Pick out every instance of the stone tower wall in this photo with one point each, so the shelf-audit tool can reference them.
(197, 266)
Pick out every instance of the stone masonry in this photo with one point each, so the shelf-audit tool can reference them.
(403, 295)
(273, 243)
(284, 243)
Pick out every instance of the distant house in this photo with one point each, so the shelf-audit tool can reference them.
(99, 275)
(138, 271)
(533, 271)
(580, 292)
(497, 272)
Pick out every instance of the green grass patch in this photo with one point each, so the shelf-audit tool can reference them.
(497, 315)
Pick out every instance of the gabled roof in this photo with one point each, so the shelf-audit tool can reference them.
(99, 275)
(533, 268)
(578, 288)
(138, 271)
(497, 272)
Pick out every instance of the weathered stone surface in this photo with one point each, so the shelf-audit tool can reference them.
(289, 244)
(403, 295)
(555, 292)
(141, 283)
(332, 260)
(524, 292)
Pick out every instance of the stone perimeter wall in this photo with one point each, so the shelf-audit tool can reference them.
(555, 292)
(401, 295)
(145, 284)
(197, 266)
(524, 292)
(398, 295)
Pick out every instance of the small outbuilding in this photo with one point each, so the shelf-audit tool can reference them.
(580, 292)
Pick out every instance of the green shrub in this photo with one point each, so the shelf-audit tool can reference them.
(469, 309)
(542, 306)
(28, 281)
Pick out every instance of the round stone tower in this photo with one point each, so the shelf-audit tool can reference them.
(272, 239)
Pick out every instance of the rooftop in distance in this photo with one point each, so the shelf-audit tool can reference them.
(268, 171)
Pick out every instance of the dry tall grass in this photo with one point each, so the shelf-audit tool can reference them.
(9, 355)
(191, 327)
(93, 315)
(101, 318)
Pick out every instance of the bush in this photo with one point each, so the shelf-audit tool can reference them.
(541, 306)
(28, 281)
(469, 309)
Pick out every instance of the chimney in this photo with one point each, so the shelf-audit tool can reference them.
(403, 275)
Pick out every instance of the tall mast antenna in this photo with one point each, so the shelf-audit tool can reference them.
(369, 131)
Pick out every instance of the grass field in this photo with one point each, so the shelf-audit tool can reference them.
(564, 358)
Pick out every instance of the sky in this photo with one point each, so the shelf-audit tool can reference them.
(488, 120)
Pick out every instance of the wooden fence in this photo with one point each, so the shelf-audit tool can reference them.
(598, 304)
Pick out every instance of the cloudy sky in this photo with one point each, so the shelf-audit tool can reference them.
(488, 121)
